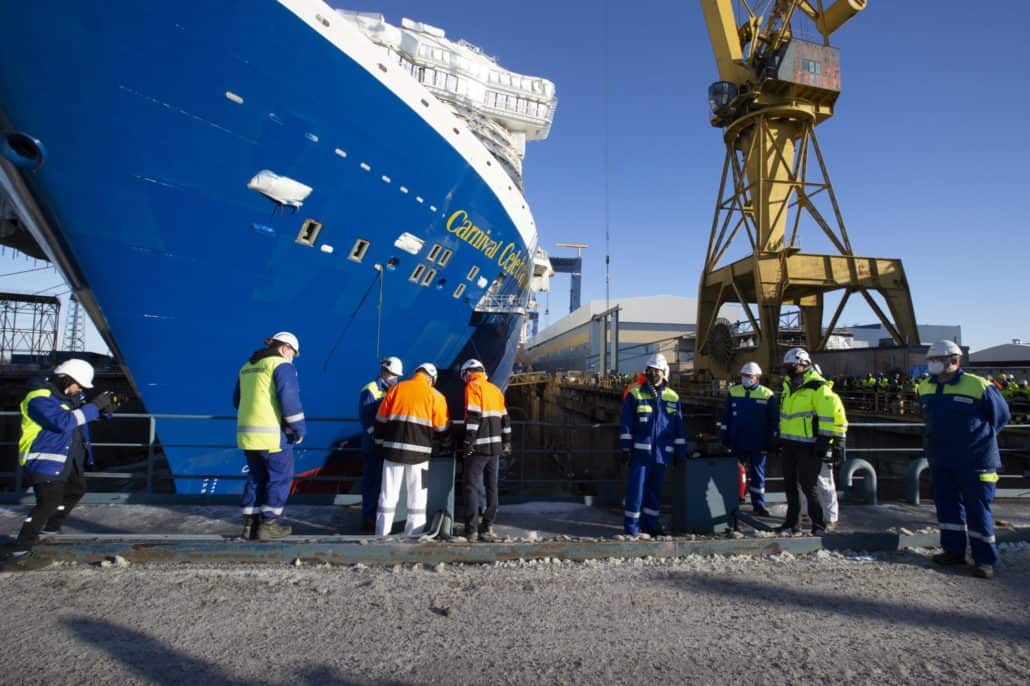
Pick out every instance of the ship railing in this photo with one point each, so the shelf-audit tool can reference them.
(506, 304)
(550, 459)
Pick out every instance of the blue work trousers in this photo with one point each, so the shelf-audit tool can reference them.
(643, 496)
(371, 484)
(963, 499)
(755, 476)
(269, 476)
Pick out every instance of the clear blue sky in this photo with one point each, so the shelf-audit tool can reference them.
(927, 150)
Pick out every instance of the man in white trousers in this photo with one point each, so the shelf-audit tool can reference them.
(411, 418)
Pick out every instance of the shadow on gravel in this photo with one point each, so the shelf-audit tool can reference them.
(158, 663)
(860, 608)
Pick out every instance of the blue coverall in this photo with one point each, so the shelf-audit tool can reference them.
(963, 417)
(652, 430)
(372, 394)
(750, 419)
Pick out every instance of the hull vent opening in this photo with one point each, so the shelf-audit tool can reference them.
(357, 253)
(308, 233)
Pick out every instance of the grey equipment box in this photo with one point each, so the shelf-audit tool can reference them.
(706, 495)
(441, 492)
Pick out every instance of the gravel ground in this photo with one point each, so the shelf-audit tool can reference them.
(821, 618)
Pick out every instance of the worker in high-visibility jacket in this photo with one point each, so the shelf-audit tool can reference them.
(651, 437)
(750, 420)
(963, 414)
(487, 437)
(411, 420)
(54, 451)
(825, 483)
(269, 422)
(812, 421)
(372, 393)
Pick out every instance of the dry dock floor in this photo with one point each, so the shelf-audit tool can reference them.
(826, 616)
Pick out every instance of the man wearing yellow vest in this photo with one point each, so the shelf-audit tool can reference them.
(269, 422)
(372, 393)
(54, 450)
(812, 421)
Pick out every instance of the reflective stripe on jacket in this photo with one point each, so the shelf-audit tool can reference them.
(410, 417)
(268, 401)
(750, 419)
(50, 428)
(811, 410)
(371, 395)
(962, 419)
(487, 425)
(652, 425)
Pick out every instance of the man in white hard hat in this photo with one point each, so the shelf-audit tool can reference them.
(651, 437)
(963, 414)
(487, 437)
(54, 450)
(390, 371)
(411, 420)
(812, 421)
(269, 422)
(750, 420)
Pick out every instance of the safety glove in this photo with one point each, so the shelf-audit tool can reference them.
(106, 402)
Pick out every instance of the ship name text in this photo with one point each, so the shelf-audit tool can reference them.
(510, 257)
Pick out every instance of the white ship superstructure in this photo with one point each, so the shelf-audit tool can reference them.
(502, 108)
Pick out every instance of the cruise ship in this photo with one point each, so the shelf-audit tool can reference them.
(204, 174)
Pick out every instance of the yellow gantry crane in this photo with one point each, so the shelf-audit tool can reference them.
(773, 89)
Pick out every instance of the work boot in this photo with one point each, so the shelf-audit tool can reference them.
(487, 535)
(949, 558)
(760, 511)
(28, 562)
(471, 534)
(785, 530)
(983, 571)
(273, 529)
(250, 526)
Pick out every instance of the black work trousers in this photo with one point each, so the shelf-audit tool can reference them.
(54, 501)
(801, 466)
(480, 468)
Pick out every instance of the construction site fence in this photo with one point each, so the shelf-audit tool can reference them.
(570, 459)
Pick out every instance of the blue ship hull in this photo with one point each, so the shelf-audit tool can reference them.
(145, 189)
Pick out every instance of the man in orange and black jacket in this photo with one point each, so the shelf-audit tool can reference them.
(487, 437)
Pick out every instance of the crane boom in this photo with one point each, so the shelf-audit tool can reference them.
(774, 88)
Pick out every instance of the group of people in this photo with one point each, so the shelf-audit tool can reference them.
(405, 422)
(806, 426)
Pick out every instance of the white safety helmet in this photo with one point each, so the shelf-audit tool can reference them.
(79, 371)
(751, 369)
(393, 365)
(429, 368)
(287, 338)
(797, 356)
(471, 365)
(658, 361)
(944, 348)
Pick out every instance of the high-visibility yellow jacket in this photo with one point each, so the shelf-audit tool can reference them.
(811, 411)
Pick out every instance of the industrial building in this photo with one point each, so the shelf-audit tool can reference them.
(876, 335)
(641, 326)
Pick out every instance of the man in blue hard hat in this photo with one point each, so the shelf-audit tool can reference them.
(269, 422)
(750, 419)
(390, 371)
(651, 437)
(963, 414)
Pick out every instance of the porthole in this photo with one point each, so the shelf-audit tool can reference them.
(357, 253)
(433, 252)
(309, 232)
(459, 290)
(428, 278)
(445, 258)
(472, 273)
(416, 273)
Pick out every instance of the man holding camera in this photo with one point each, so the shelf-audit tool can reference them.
(54, 450)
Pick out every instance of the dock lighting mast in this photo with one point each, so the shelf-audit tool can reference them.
(773, 91)
(573, 266)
